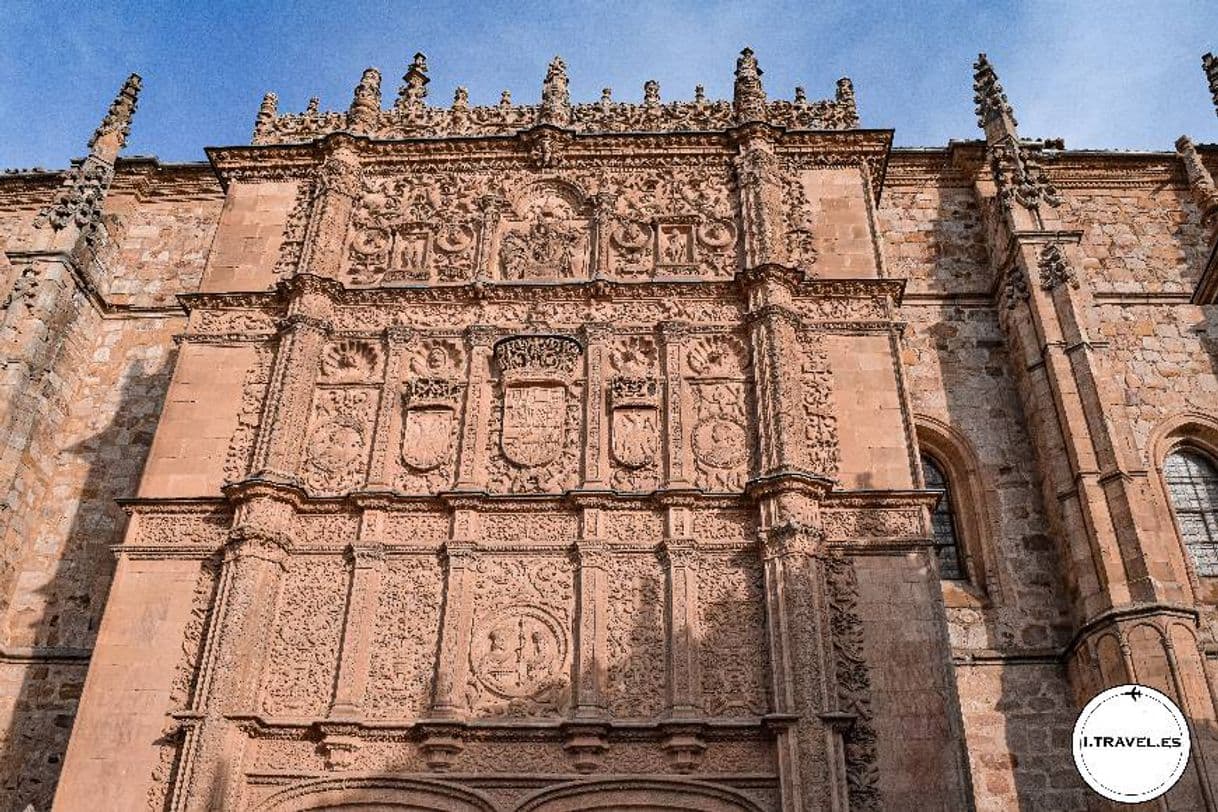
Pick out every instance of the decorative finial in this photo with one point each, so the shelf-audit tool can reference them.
(366, 103)
(1200, 181)
(699, 94)
(994, 113)
(749, 97)
(845, 99)
(461, 99)
(1210, 63)
(313, 105)
(606, 96)
(505, 99)
(651, 93)
(801, 95)
(111, 135)
(555, 94)
(413, 92)
(266, 114)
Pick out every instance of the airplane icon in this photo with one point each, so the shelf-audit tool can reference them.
(1134, 693)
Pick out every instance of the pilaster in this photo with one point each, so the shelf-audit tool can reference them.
(338, 182)
(675, 337)
(234, 653)
(281, 432)
(471, 454)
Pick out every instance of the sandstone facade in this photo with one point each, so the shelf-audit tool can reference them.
(569, 456)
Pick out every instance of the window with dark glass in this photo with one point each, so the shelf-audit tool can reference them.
(943, 521)
(1192, 482)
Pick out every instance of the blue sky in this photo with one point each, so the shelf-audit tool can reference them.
(1100, 74)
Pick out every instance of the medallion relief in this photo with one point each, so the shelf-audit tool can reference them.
(719, 436)
(336, 454)
(520, 644)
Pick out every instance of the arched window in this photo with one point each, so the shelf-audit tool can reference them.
(943, 522)
(1192, 482)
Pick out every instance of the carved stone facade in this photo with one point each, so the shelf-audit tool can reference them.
(565, 456)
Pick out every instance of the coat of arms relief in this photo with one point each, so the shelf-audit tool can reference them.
(538, 419)
(430, 403)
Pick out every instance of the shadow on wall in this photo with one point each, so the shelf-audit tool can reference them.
(60, 617)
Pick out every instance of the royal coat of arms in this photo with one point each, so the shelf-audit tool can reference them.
(635, 424)
(534, 421)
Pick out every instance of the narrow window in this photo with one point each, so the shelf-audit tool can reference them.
(1192, 482)
(943, 522)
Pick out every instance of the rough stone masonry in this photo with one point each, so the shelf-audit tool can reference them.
(705, 455)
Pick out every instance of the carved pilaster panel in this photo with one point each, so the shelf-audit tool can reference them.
(761, 200)
(637, 638)
(595, 451)
(366, 560)
(853, 682)
(685, 633)
(591, 653)
(472, 452)
(253, 396)
(731, 617)
(405, 632)
(819, 414)
(677, 472)
(303, 660)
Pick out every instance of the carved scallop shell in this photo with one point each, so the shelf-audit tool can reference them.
(350, 360)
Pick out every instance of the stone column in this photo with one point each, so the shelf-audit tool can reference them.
(471, 462)
(492, 207)
(674, 337)
(757, 175)
(397, 339)
(596, 446)
(602, 221)
(238, 639)
(338, 183)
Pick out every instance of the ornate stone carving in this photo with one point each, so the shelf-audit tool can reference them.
(304, 646)
(337, 450)
(1014, 287)
(545, 235)
(1055, 268)
(408, 229)
(853, 683)
(636, 634)
(404, 638)
(411, 117)
(350, 361)
(820, 414)
(253, 391)
(1020, 177)
(520, 648)
(731, 618)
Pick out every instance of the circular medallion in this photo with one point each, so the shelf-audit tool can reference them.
(720, 443)
(518, 652)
